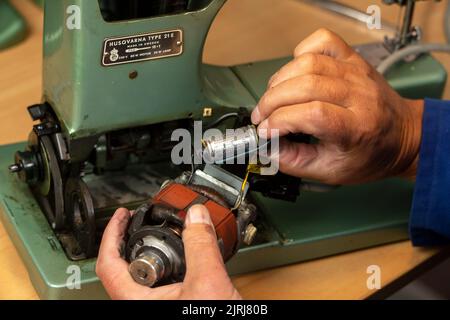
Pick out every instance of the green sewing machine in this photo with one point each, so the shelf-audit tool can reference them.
(119, 77)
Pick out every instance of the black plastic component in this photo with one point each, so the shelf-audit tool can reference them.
(279, 186)
(38, 111)
(117, 10)
(46, 128)
(44, 113)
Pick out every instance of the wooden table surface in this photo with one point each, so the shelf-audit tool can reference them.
(244, 31)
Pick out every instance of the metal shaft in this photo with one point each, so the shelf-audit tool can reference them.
(407, 23)
(147, 269)
(14, 168)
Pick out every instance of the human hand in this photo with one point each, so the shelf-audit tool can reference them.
(206, 277)
(366, 131)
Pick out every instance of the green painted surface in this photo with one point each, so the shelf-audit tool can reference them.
(13, 28)
(345, 210)
(425, 77)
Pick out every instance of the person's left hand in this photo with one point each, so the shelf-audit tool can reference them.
(206, 277)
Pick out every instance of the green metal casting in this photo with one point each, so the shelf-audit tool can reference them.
(84, 93)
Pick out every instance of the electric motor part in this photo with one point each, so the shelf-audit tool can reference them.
(235, 144)
(148, 268)
(156, 255)
(228, 185)
(155, 249)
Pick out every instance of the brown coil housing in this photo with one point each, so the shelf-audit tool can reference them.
(182, 198)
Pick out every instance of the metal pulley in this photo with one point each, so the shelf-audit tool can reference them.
(39, 167)
(79, 209)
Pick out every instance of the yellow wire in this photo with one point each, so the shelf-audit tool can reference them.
(245, 180)
(242, 190)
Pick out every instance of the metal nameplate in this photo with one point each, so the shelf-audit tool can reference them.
(142, 47)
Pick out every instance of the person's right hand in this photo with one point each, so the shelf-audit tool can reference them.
(366, 131)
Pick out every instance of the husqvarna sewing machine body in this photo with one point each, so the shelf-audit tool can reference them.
(119, 78)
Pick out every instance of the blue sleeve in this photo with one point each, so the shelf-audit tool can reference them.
(430, 214)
